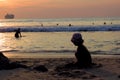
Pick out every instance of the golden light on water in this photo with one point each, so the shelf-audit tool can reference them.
(0, 24)
(3, 44)
(1, 39)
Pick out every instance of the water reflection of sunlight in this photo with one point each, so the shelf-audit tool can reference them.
(1, 39)
(2, 43)
(3, 23)
(0, 24)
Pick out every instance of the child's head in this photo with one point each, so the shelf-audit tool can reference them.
(77, 39)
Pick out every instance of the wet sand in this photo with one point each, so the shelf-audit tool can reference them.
(109, 69)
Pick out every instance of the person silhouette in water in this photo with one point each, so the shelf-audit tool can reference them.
(82, 54)
(18, 33)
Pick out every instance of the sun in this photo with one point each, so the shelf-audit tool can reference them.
(2, 0)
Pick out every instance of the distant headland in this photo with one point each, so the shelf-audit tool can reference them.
(9, 16)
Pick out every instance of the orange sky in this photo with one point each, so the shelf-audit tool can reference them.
(60, 8)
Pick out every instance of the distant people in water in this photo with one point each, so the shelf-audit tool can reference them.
(18, 33)
(93, 23)
(111, 23)
(69, 25)
(104, 23)
(82, 54)
(57, 24)
(41, 25)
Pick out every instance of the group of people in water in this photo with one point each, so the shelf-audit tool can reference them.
(18, 31)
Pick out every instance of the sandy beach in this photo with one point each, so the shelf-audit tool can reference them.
(59, 40)
(109, 69)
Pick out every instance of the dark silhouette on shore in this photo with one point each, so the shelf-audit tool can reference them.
(82, 54)
(18, 33)
(6, 64)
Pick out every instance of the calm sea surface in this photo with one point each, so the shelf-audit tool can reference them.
(43, 37)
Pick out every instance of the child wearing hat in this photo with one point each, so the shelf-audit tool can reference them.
(82, 54)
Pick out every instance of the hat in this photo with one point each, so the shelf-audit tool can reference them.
(77, 37)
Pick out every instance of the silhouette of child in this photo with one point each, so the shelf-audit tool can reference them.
(82, 54)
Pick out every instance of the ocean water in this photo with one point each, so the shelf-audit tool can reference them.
(52, 37)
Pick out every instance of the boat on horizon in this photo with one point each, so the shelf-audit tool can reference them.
(9, 16)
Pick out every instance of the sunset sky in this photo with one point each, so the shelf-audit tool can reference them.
(60, 8)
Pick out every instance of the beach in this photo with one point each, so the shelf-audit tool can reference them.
(59, 40)
(109, 69)
(47, 43)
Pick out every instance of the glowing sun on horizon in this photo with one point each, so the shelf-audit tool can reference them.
(2, 0)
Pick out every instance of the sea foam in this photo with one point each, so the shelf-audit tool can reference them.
(61, 28)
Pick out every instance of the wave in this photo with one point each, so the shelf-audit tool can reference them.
(59, 52)
(61, 28)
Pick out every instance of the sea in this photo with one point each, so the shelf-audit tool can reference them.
(52, 37)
